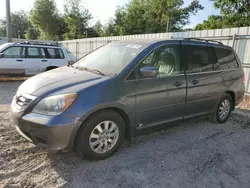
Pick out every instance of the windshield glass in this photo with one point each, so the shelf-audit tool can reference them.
(111, 58)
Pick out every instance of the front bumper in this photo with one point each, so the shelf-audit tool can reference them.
(52, 132)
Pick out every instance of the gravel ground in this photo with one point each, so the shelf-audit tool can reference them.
(197, 154)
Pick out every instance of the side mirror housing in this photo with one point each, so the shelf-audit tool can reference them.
(1, 55)
(149, 71)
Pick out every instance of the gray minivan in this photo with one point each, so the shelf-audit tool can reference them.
(125, 87)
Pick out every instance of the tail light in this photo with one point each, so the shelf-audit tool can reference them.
(243, 78)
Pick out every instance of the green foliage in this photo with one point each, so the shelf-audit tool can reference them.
(2, 28)
(32, 33)
(98, 28)
(76, 18)
(20, 24)
(150, 16)
(234, 13)
(226, 7)
(44, 17)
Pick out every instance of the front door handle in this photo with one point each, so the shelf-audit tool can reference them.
(44, 60)
(177, 84)
(19, 60)
(194, 82)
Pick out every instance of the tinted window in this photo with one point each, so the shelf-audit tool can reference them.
(199, 58)
(33, 52)
(226, 59)
(165, 58)
(55, 53)
(14, 52)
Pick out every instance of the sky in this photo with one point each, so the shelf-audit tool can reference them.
(96, 8)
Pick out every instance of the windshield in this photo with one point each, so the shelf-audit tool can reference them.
(111, 58)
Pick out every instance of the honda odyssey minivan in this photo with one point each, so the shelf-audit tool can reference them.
(125, 87)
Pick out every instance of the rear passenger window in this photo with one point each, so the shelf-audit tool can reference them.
(33, 52)
(199, 58)
(55, 53)
(226, 59)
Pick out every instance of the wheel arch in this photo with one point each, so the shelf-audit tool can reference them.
(232, 94)
(120, 111)
(50, 68)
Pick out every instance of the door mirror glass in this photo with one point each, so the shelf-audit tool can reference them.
(1, 55)
(149, 71)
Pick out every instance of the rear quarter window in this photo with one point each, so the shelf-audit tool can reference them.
(225, 59)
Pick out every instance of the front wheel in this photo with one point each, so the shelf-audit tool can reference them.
(223, 110)
(101, 135)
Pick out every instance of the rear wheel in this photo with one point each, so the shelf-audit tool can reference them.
(223, 110)
(101, 135)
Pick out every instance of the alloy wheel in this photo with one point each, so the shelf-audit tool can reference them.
(104, 137)
(224, 109)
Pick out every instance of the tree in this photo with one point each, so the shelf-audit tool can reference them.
(44, 17)
(20, 23)
(32, 33)
(213, 22)
(233, 6)
(2, 28)
(234, 13)
(153, 16)
(61, 28)
(76, 17)
(109, 29)
(98, 27)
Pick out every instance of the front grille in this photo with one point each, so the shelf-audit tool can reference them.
(22, 100)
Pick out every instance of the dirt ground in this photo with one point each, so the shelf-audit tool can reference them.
(197, 154)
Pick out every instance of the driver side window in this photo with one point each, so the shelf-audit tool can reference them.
(165, 58)
(14, 52)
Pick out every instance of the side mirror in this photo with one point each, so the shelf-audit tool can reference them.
(149, 71)
(1, 55)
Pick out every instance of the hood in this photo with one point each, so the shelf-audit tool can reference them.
(56, 80)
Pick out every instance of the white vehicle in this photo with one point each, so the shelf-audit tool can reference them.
(26, 59)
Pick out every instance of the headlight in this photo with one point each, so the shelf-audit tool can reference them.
(55, 105)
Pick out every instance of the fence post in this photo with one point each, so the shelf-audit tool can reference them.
(234, 38)
(77, 50)
(66, 45)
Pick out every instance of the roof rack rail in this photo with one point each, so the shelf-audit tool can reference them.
(205, 40)
(38, 43)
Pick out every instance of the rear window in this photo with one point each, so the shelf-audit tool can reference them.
(226, 59)
(55, 53)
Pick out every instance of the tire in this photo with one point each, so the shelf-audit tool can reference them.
(227, 102)
(94, 145)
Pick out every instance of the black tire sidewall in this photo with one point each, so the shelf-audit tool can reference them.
(219, 120)
(82, 140)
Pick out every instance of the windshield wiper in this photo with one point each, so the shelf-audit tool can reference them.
(91, 70)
